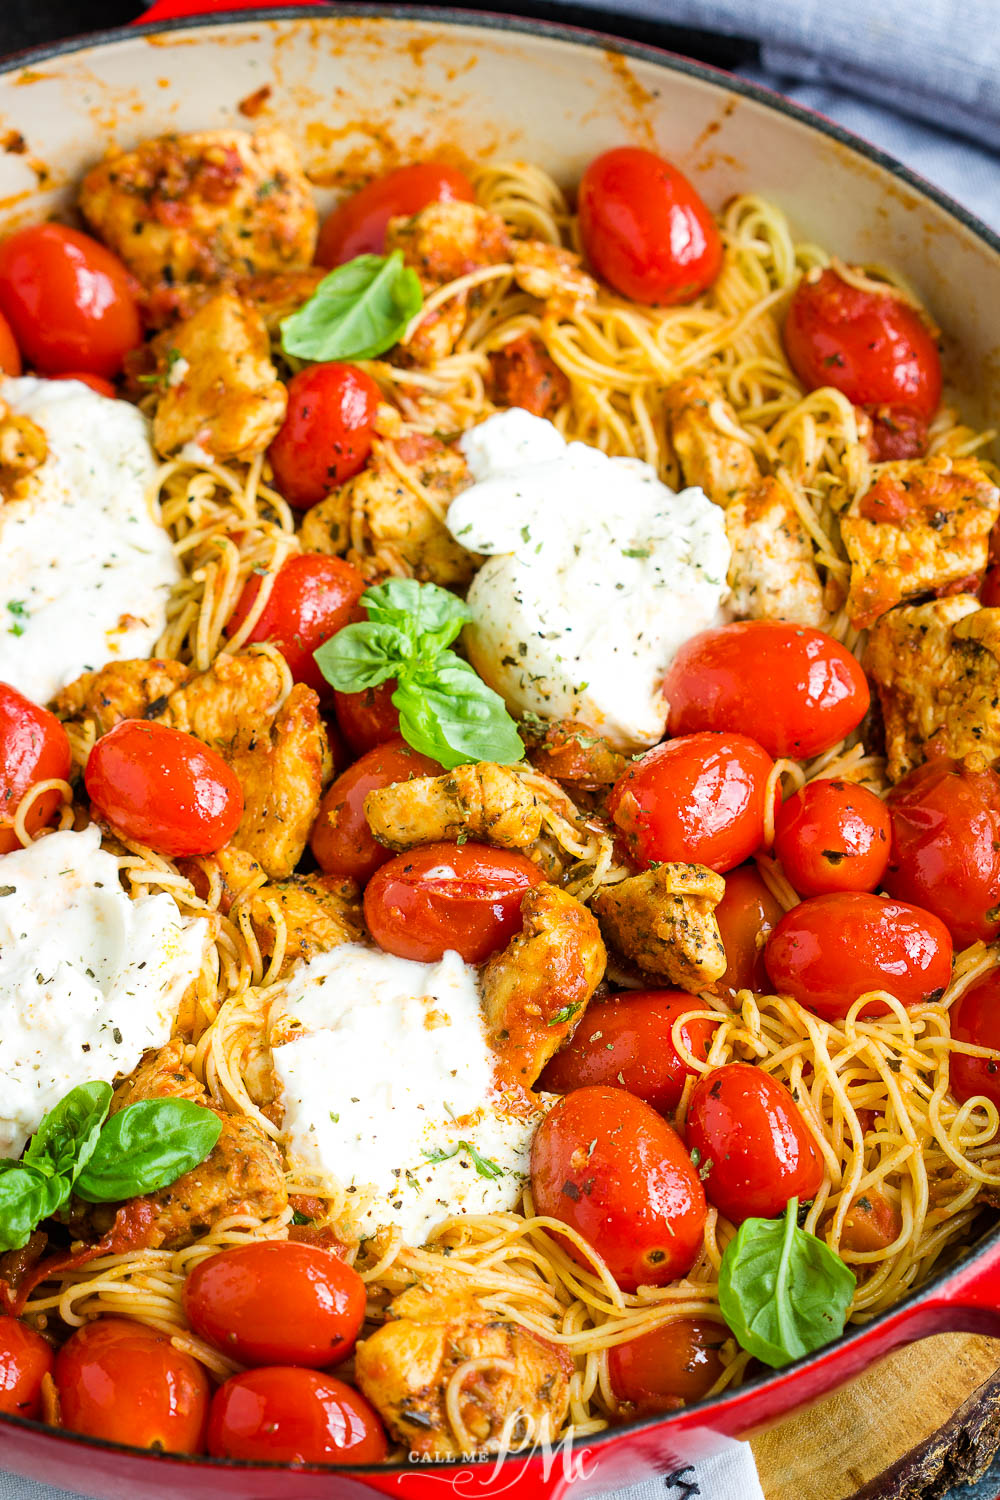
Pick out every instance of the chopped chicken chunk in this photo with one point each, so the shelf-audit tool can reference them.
(447, 240)
(136, 689)
(936, 668)
(523, 374)
(536, 989)
(553, 275)
(242, 1175)
(922, 525)
(23, 449)
(319, 912)
(403, 526)
(723, 466)
(664, 921)
(512, 1387)
(218, 386)
(482, 801)
(772, 572)
(187, 212)
(278, 751)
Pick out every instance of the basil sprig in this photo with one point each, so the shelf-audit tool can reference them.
(76, 1148)
(783, 1292)
(445, 710)
(358, 311)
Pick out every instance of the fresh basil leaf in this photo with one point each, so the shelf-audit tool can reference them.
(361, 656)
(456, 713)
(357, 312)
(424, 607)
(65, 1140)
(26, 1198)
(783, 1292)
(146, 1147)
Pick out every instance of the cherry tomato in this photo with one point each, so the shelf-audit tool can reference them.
(326, 436)
(33, 748)
(276, 1302)
(746, 914)
(873, 1223)
(945, 852)
(646, 231)
(605, 1163)
(368, 719)
(440, 896)
(357, 226)
(25, 1358)
(975, 1018)
(95, 382)
(795, 690)
(873, 347)
(68, 300)
(989, 594)
(313, 597)
(751, 1142)
(164, 788)
(341, 840)
(125, 1383)
(699, 799)
(830, 950)
(833, 836)
(284, 1415)
(10, 355)
(671, 1366)
(627, 1040)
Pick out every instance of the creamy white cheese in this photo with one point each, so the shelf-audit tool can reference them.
(88, 978)
(85, 568)
(385, 1072)
(596, 575)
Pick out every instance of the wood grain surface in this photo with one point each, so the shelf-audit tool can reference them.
(923, 1420)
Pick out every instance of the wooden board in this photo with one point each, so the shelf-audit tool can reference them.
(923, 1420)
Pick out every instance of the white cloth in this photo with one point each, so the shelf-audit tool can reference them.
(938, 61)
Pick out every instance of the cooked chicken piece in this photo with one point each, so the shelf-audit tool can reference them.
(447, 240)
(397, 521)
(722, 465)
(936, 668)
(277, 294)
(319, 912)
(160, 1074)
(23, 449)
(553, 275)
(218, 387)
(772, 572)
(189, 211)
(242, 1175)
(122, 690)
(438, 333)
(512, 1387)
(570, 754)
(921, 526)
(442, 242)
(663, 920)
(523, 374)
(279, 753)
(536, 989)
(482, 801)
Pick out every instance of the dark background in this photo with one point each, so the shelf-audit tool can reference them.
(24, 23)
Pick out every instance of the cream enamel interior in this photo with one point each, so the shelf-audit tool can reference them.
(361, 93)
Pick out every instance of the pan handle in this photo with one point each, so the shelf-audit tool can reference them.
(170, 10)
(969, 1300)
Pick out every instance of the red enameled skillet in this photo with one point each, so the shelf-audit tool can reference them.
(368, 86)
